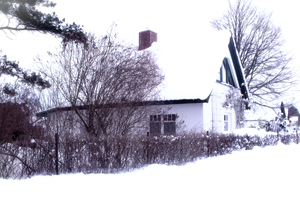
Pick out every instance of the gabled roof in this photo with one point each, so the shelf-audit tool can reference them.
(191, 72)
(199, 69)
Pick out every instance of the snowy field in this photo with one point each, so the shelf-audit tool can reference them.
(262, 173)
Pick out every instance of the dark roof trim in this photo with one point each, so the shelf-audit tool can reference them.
(173, 102)
(238, 68)
(144, 103)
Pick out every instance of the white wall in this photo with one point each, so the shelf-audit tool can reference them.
(209, 116)
(204, 117)
(217, 100)
(189, 113)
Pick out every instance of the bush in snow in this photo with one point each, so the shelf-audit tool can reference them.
(115, 153)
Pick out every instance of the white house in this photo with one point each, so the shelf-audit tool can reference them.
(208, 98)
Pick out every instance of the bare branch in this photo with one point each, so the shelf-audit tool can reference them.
(104, 74)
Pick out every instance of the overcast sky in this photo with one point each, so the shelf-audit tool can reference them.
(180, 25)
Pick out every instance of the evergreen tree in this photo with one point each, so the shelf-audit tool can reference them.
(22, 15)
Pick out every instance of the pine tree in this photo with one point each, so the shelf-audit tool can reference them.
(23, 15)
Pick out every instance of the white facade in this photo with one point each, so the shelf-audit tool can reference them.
(222, 116)
(213, 116)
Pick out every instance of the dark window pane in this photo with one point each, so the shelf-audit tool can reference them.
(165, 117)
(159, 118)
(169, 128)
(173, 117)
(221, 73)
(225, 117)
(229, 77)
(155, 128)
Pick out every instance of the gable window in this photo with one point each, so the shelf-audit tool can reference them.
(220, 74)
(225, 74)
(228, 76)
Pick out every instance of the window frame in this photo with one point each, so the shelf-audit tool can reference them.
(170, 124)
(155, 125)
(162, 124)
(226, 75)
(226, 122)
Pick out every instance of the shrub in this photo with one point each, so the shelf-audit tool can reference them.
(115, 153)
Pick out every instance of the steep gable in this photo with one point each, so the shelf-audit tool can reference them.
(238, 68)
(217, 59)
(196, 75)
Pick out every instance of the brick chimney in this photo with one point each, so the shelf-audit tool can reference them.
(146, 38)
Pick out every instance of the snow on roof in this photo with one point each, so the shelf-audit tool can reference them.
(191, 71)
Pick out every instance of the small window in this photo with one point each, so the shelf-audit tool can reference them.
(220, 74)
(226, 123)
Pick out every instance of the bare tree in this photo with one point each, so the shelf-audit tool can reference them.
(105, 83)
(259, 43)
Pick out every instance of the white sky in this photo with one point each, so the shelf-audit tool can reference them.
(180, 25)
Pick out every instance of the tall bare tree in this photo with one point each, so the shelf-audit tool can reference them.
(105, 83)
(259, 43)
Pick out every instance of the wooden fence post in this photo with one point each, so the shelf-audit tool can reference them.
(208, 136)
(297, 136)
(56, 153)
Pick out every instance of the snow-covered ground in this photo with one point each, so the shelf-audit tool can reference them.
(262, 173)
(253, 132)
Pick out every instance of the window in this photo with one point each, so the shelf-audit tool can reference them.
(228, 78)
(170, 124)
(225, 74)
(167, 123)
(155, 124)
(226, 123)
(220, 74)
